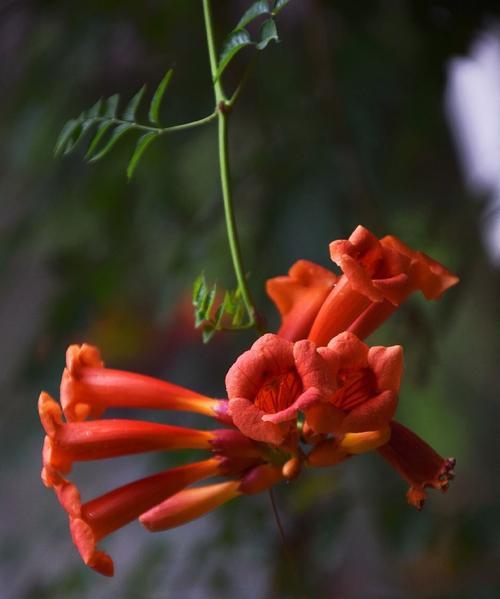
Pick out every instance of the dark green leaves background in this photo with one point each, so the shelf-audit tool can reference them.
(340, 123)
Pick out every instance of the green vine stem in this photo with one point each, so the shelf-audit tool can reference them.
(159, 130)
(223, 108)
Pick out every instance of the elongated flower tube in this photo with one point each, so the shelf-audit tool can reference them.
(88, 390)
(66, 443)
(299, 296)
(193, 503)
(417, 463)
(367, 387)
(271, 382)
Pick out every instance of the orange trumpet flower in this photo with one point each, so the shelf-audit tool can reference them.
(367, 387)
(271, 382)
(378, 276)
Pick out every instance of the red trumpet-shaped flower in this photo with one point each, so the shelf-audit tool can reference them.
(367, 387)
(88, 389)
(271, 382)
(378, 275)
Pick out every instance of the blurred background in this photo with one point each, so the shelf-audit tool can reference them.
(385, 113)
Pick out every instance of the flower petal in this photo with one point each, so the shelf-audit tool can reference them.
(248, 418)
(373, 414)
(303, 402)
(324, 417)
(313, 369)
(351, 351)
(387, 365)
(269, 355)
(431, 277)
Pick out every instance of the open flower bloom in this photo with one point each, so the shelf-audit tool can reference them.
(299, 296)
(88, 389)
(378, 275)
(271, 382)
(367, 387)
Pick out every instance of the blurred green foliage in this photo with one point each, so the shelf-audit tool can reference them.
(341, 123)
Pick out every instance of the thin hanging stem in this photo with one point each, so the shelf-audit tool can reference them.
(288, 555)
(278, 521)
(223, 107)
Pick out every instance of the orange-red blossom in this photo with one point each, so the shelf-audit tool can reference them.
(348, 393)
(313, 395)
(378, 275)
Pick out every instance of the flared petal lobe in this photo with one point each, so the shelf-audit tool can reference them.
(417, 463)
(299, 296)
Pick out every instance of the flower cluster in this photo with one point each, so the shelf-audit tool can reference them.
(312, 395)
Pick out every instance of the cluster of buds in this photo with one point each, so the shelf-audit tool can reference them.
(311, 395)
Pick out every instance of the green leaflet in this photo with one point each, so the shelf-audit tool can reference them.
(117, 134)
(101, 130)
(268, 33)
(279, 6)
(237, 40)
(67, 136)
(154, 108)
(111, 106)
(142, 144)
(133, 105)
(261, 7)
